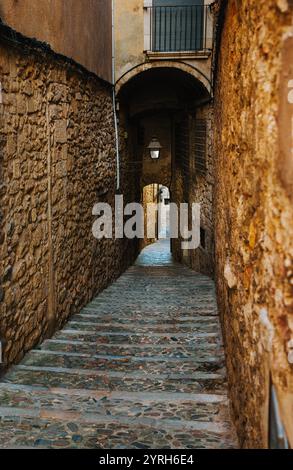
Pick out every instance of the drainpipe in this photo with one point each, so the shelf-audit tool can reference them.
(114, 101)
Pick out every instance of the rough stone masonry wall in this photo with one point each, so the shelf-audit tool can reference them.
(254, 215)
(57, 159)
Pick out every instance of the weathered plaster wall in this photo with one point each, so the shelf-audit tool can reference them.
(80, 29)
(129, 35)
(57, 159)
(254, 214)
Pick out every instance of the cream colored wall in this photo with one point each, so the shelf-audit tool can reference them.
(79, 29)
(131, 41)
(129, 35)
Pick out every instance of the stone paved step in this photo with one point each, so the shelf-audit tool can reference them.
(136, 350)
(194, 292)
(154, 365)
(198, 382)
(161, 310)
(110, 434)
(35, 396)
(150, 298)
(58, 403)
(118, 319)
(138, 338)
(147, 329)
(164, 311)
(97, 418)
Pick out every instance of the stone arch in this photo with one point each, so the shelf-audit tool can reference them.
(182, 66)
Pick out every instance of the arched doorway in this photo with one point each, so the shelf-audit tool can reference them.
(156, 200)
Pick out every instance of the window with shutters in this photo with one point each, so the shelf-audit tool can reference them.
(199, 139)
(182, 144)
(178, 26)
(182, 151)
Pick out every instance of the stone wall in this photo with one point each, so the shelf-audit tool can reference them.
(57, 159)
(254, 214)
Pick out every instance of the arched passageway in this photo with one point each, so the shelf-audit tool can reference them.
(175, 107)
(156, 203)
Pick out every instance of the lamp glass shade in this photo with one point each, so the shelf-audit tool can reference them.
(155, 154)
(154, 148)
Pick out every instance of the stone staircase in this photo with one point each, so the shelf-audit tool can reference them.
(142, 366)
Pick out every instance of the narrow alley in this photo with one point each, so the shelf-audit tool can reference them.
(142, 366)
(123, 121)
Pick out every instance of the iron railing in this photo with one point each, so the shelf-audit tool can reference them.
(178, 28)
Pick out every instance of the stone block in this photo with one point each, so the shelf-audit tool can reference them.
(61, 131)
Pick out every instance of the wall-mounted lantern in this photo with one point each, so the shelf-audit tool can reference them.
(154, 148)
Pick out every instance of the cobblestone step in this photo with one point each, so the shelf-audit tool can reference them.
(197, 298)
(165, 311)
(188, 408)
(109, 434)
(154, 365)
(96, 418)
(134, 338)
(147, 328)
(129, 319)
(198, 382)
(15, 394)
(161, 310)
(140, 350)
